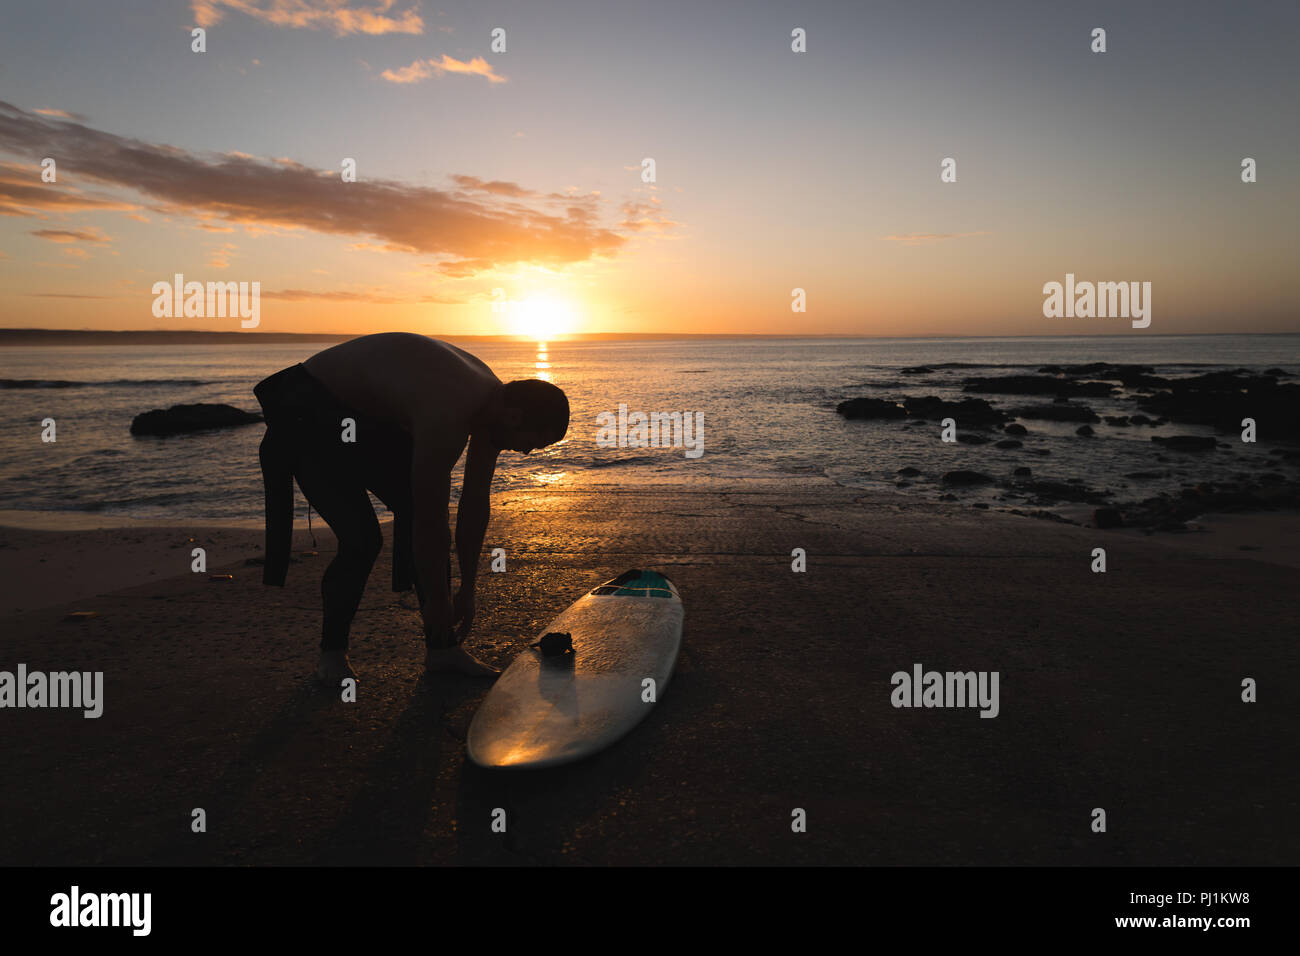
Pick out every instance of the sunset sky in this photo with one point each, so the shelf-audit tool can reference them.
(522, 170)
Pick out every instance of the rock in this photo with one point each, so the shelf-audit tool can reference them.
(1186, 442)
(1023, 472)
(909, 472)
(1107, 518)
(967, 439)
(1016, 429)
(967, 413)
(858, 408)
(966, 478)
(918, 370)
(1097, 369)
(1141, 420)
(948, 497)
(1059, 413)
(1009, 443)
(180, 419)
(1037, 385)
(1223, 399)
(980, 505)
(1084, 431)
(1119, 421)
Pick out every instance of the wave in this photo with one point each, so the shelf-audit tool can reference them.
(13, 383)
(634, 460)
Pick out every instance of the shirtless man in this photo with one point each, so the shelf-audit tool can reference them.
(415, 402)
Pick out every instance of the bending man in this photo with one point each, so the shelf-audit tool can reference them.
(413, 403)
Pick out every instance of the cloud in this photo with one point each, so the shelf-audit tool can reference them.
(498, 187)
(22, 193)
(423, 69)
(371, 297)
(61, 114)
(219, 258)
(472, 233)
(919, 238)
(646, 216)
(90, 234)
(340, 16)
(65, 295)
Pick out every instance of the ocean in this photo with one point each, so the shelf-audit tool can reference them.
(767, 406)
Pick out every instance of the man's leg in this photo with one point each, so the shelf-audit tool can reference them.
(388, 476)
(343, 503)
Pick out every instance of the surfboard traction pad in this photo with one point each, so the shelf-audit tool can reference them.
(636, 583)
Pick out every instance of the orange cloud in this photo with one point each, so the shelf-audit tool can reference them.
(61, 114)
(90, 234)
(646, 217)
(469, 233)
(342, 17)
(22, 193)
(370, 297)
(219, 258)
(423, 69)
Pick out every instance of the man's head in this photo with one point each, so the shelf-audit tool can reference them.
(534, 413)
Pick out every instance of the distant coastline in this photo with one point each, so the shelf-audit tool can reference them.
(21, 337)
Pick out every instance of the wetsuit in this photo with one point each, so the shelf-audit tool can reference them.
(303, 441)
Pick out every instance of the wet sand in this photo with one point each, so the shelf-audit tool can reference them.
(1118, 690)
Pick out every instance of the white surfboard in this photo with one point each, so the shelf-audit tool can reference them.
(550, 710)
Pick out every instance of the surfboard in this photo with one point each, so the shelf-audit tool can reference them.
(552, 709)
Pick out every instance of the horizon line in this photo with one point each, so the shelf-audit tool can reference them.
(9, 335)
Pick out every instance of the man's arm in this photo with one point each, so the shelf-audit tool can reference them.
(471, 524)
(430, 537)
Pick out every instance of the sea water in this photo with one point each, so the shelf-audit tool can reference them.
(763, 408)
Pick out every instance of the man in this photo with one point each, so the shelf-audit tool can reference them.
(414, 403)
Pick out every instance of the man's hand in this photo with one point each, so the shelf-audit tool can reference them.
(462, 611)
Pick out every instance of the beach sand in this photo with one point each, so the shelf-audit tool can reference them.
(1118, 690)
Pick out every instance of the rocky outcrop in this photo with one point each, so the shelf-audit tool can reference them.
(866, 408)
(967, 412)
(182, 419)
(1038, 385)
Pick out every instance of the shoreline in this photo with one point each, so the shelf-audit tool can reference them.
(46, 563)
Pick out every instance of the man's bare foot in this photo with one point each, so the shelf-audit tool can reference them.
(334, 667)
(456, 660)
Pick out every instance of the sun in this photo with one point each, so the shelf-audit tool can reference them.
(541, 318)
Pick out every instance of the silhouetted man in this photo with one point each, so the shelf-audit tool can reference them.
(415, 402)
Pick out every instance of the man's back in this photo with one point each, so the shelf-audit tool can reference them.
(408, 380)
